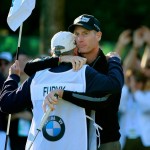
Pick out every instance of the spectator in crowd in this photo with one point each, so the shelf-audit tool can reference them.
(21, 121)
(5, 61)
(135, 112)
(135, 104)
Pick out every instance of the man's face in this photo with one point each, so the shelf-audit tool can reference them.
(3, 65)
(87, 40)
(22, 61)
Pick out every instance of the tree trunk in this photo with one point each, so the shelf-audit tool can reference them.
(51, 21)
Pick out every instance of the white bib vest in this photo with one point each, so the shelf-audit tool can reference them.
(66, 127)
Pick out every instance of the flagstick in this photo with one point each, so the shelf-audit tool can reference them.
(19, 41)
(43, 120)
(9, 116)
(7, 133)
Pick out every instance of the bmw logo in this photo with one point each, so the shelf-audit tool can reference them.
(54, 128)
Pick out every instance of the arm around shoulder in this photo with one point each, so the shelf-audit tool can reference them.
(38, 64)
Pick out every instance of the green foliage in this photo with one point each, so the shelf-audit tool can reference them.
(107, 47)
(29, 45)
(8, 43)
(114, 15)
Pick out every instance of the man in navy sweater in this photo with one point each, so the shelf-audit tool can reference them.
(88, 35)
(14, 99)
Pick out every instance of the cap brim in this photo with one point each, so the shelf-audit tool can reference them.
(71, 27)
(5, 59)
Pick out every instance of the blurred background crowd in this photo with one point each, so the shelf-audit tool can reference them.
(130, 37)
(134, 110)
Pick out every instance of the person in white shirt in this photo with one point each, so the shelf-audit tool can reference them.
(135, 113)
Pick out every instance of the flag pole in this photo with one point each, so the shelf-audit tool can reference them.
(9, 116)
(14, 22)
(19, 41)
(7, 132)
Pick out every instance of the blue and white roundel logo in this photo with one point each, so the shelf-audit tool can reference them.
(54, 128)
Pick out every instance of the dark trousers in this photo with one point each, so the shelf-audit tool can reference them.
(110, 146)
(134, 144)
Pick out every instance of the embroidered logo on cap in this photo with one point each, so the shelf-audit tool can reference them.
(83, 19)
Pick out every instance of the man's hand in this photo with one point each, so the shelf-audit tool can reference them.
(125, 37)
(138, 38)
(15, 68)
(52, 99)
(77, 61)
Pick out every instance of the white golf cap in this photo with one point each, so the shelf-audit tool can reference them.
(64, 41)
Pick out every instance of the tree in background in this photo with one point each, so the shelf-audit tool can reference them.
(51, 16)
(51, 21)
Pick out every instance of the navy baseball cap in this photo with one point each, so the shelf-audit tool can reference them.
(88, 22)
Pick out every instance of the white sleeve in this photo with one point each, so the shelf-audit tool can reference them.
(143, 99)
(124, 99)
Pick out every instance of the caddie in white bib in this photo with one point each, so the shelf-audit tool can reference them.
(66, 127)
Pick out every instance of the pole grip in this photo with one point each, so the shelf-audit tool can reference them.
(44, 118)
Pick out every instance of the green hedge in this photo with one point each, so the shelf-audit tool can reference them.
(29, 45)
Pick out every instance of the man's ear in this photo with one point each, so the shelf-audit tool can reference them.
(99, 35)
(75, 53)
